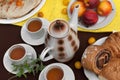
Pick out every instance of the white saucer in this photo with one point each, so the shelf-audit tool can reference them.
(8, 64)
(26, 37)
(69, 75)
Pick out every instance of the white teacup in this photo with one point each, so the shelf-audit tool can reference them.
(54, 72)
(35, 27)
(18, 54)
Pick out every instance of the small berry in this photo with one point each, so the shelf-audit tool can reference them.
(40, 14)
(66, 2)
(91, 40)
(77, 65)
(64, 11)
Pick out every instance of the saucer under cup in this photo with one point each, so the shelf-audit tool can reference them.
(69, 75)
(8, 64)
(26, 37)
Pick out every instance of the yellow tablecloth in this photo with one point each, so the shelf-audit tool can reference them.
(52, 10)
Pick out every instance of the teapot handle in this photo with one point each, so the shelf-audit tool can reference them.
(44, 53)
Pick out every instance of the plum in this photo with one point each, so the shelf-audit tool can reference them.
(90, 17)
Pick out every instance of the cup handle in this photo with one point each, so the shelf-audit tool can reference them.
(44, 53)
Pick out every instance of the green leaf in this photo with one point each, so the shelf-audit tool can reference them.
(42, 66)
(37, 68)
(32, 67)
(19, 74)
(25, 75)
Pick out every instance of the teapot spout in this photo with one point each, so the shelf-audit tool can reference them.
(74, 19)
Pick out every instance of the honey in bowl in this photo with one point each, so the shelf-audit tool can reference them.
(17, 53)
(34, 25)
(55, 74)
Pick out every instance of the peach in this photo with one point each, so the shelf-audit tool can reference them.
(91, 3)
(82, 7)
(90, 17)
(104, 8)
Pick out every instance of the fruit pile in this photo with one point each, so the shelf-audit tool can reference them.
(89, 10)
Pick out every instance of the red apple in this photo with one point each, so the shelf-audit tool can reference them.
(104, 8)
(90, 17)
(82, 7)
(91, 3)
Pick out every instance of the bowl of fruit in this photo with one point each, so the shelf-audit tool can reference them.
(93, 14)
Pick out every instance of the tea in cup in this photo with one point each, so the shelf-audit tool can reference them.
(35, 27)
(17, 54)
(54, 72)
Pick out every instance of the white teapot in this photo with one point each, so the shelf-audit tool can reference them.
(62, 40)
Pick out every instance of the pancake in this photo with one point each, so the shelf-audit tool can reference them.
(11, 10)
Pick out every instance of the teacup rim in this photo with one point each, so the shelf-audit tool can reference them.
(51, 67)
(12, 49)
(32, 19)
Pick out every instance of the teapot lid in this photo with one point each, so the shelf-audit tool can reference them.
(59, 28)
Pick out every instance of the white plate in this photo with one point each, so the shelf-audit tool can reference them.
(69, 75)
(91, 75)
(27, 38)
(10, 21)
(8, 64)
(102, 21)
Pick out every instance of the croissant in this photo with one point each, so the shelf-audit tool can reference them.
(113, 44)
(95, 58)
(111, 71)
(104, 60)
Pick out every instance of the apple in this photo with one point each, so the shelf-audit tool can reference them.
(91, 3)
(82, 7)
(90, 17)
(104, 8)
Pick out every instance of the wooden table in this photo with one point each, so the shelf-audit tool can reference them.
(10, 35)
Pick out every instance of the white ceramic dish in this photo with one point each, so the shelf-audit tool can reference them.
(8, 64)
(10, 21)
(102, 21)
(68, 71)
(26, 37)
(90, 75)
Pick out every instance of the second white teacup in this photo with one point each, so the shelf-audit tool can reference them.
(54, 72)
(35, 28)
(18, 54)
